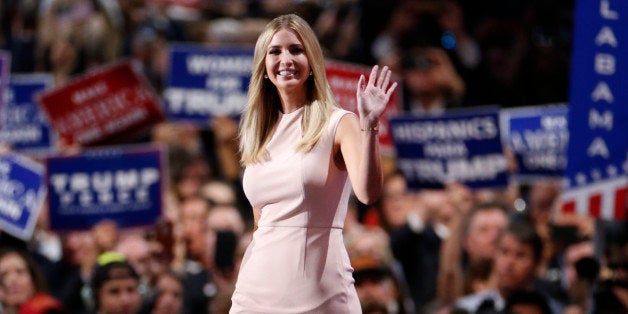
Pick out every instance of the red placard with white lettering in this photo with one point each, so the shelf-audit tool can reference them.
(105, 106)
(343, 78)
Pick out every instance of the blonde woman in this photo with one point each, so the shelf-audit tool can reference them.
(300, 150)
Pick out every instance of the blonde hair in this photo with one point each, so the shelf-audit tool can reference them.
(262, 110)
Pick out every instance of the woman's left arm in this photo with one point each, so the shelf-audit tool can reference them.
(358, 140)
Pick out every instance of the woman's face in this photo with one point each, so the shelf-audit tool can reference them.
(170, 296)
(15, 280)
(287, 65)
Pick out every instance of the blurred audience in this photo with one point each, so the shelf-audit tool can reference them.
(446, 250)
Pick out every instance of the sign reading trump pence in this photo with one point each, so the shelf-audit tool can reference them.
(462, 146)
(207, 81)
(123, 184)
(21, 194)
(105, 106)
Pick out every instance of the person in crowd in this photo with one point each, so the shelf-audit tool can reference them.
(225, 227)
(395, 203)
(417, 244)
(23, 287)
(115, 285)
(291, 131)
(517, 261)
(467, 255)
(527, 302)
(377, 285)
(219, 192)
(189, 171)
(80, 254)
(198, 286)
(106, 235)
(137, 252)
(168, 296)
(369, 250)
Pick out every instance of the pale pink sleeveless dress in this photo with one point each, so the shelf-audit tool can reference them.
(297, 262)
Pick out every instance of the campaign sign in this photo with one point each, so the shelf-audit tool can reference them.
(538, 137)
(22, 193)
(123, 184)
(207, 81)
(105, 106)
(595, 177)
(5, 69)
(25, 126)
(343, 79)
(461, 145)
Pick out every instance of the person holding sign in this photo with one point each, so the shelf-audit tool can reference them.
(299, 149)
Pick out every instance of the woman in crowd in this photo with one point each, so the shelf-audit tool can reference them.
(23, 287)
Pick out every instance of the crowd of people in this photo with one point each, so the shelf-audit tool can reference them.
(450, 250)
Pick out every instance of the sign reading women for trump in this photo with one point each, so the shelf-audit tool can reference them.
(343, 79)
(462, 146)
(105, 106)
(538, 137)
(25, 125)
(207, 81)
(595, 179)
(21, 194)
(123, 184)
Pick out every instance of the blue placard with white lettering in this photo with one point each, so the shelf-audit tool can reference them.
(25, 126)
(207, 81)
(598, 96)
(462, 145)
(538, 137)
(22, 192)
(123, 184)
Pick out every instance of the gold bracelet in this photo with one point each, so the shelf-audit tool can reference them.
(371, 129)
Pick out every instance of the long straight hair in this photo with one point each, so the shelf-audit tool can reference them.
(262, 110)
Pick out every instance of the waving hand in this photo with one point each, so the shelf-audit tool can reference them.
(374, 96)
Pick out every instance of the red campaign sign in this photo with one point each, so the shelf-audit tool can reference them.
(343, 78)
(103, 107)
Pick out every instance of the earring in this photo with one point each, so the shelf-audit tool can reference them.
(311, 73)
(265, 76)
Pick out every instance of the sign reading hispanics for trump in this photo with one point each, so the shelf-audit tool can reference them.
(124, 184)
(104, 106)
(461, 145)
(538, 137)
(343, 79)
(207, 81)
(22, 194)
(25, 126)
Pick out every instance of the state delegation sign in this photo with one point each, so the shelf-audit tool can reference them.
(103, 107)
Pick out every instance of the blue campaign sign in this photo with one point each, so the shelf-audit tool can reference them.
(598, 96)
(25, 126)
(22, 193)
(123, 184)
(538, 137)
(461, 145)
(207, 81)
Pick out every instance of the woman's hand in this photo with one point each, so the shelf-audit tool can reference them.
(374, 96)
